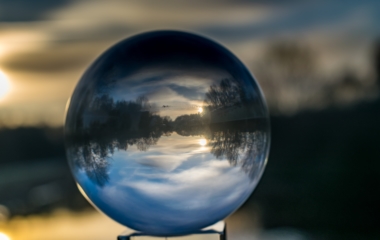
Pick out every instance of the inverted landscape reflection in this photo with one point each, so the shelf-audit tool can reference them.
(167, 133)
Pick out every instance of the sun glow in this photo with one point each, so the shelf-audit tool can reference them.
(202, 142)
(4, 237)
(200, 110)
(5, 87)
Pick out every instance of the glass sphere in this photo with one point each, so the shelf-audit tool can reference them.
(167, 133)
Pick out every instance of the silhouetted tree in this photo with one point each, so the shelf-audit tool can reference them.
(240, 142)
(227, 94)
(107, 126)
(190, 125)
(94, 160)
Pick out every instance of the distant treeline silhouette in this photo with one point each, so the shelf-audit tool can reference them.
(109, 125)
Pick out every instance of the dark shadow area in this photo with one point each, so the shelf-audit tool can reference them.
(34, 175)
(323, 172)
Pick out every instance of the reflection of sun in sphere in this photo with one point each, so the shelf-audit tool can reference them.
(4, 237)
(4, 85)
(167, 133)
(202, 142)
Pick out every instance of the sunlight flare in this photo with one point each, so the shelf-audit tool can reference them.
(202, 142)
(4, 237)
(5, 86)
(200, 110)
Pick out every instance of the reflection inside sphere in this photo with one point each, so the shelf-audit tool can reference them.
(167, 133)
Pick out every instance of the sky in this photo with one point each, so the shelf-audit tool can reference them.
(45, 46)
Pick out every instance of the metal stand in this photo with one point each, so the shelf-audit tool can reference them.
(216, 231)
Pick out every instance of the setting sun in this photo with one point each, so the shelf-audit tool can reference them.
(200, 110)
(4, 237)
(4, 87)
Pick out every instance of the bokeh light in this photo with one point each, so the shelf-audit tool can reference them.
(5, 85)
(4, 237)
(202, 142)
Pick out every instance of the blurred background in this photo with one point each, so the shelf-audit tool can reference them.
(318, 63)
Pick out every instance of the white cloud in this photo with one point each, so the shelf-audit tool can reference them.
(196, 186)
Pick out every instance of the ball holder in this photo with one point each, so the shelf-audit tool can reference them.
(216, 231)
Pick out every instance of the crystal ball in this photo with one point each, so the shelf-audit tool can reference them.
(167, 132)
